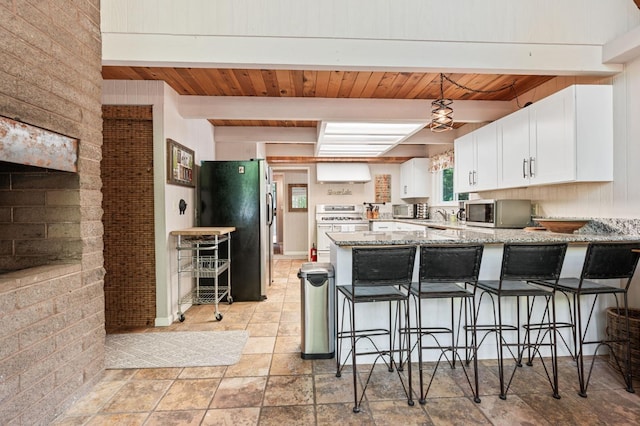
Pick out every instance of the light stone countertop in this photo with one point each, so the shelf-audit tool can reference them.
(468, 234)
(594, 226)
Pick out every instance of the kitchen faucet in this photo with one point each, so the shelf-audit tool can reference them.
(443, 213)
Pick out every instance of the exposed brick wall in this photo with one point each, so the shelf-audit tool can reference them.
(39, 217)
(52, 333)
(52, 329)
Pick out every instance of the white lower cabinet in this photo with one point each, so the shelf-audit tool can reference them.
(395, 226)
(401, 226)
(383, 226)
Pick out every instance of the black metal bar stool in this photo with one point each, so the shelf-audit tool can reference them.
(522, 263)
(379, 274)
(603, 261)
(445, 272)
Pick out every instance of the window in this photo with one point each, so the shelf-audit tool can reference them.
(444, 190)
(297, 197)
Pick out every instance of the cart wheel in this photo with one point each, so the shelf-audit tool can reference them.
(218, 316)
(181, 317)
(229, 300)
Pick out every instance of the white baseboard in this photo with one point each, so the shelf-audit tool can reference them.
(164, 322)
(295, 253)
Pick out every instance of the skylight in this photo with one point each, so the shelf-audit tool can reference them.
(362, 139)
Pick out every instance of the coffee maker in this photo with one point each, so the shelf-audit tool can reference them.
(461, 215)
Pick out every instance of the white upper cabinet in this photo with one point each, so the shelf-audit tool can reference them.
(566, 137)
(415, 178)
(513, 135)
(476, 160)
(464, 150)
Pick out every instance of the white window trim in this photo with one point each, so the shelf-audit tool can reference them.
(436, 190)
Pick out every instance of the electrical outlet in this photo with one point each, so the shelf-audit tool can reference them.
(535, 209)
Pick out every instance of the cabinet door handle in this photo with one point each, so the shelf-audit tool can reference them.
(524, 168)
(532, 167)
(470, 177)
(475, 177)
(405, 189)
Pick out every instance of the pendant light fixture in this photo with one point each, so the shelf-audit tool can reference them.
(441, 111)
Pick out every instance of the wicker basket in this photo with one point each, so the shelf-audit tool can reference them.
(616, 329)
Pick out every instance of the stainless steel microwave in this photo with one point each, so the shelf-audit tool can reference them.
(498, 213)
(403, 211)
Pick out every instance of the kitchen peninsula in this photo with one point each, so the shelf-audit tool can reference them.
(493, 239)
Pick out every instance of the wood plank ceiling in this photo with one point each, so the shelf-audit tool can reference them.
(326, 84)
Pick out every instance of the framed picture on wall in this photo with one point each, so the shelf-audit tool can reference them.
(383, 188)
(180, 167)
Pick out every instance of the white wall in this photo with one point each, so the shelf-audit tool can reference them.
(296, 224)
(194, 134)
(237, 151)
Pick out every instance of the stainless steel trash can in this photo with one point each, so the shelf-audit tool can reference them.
(317, 291)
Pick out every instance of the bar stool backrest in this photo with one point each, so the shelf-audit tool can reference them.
(450, 263)
(382, 266)
(610, 260)
(532, 261)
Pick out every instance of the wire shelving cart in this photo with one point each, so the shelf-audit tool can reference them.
(204, 252)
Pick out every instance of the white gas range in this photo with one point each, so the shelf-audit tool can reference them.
(337, 218)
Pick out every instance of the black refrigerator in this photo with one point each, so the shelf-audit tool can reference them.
(238, 193)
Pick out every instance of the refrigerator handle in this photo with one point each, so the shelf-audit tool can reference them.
(270, 209)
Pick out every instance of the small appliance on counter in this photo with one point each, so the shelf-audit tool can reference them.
(498, 213)
(421, 211)
(461, 215)
(403, 211)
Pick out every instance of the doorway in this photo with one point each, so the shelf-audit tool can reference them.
(290, 238)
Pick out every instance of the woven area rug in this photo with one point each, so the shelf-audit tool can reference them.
(174, 349)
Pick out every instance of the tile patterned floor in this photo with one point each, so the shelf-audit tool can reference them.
(272, 385)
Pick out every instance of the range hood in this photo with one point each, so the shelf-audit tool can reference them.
(343, 173)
